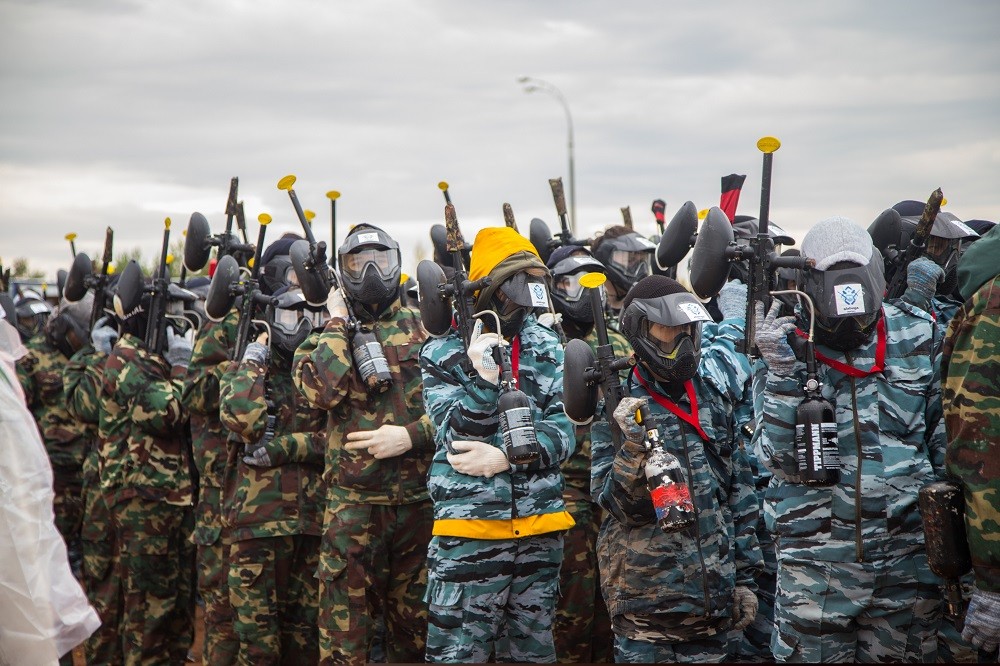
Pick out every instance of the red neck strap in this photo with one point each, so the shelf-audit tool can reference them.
(850, 370)
(515, 359)
(691, 419)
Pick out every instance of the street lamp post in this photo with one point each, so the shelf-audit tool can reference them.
(537, 85)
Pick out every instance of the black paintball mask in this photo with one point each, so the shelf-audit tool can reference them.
(672, 359)
(292, 319)
(569, 297)
(848, 300)
(627, 259)
(32, 313)
(514, 299)
(370, 265)
(132, 301)
(68, 329)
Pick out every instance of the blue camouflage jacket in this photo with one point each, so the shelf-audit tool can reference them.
(891, 442)
(463, 406)
(685, 578)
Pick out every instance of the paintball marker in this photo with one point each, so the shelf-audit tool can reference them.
(917, 245)
(81, 278)
(584, 371)
(317, 278)
(156, 328)
(199, 241)
(942, 508)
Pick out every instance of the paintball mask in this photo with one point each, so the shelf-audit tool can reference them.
(292, 320)
(32, 313)
(626, 259)
(569, 297)
(68, 329)
(370, 266)
(516, 298)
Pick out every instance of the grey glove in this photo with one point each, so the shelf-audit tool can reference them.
(744, 607)
(625, 418)
(258, 457)
(178, 350)
(772, 337)
(922, 277)
(733, 300)
(255, 351)
(982, 620)
(103, 336)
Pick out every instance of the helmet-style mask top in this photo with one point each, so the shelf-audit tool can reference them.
(292, 320)
(662, 321)
(568, 264)
(627, 258)
(32, 312)
(276, 266)
(370, 265)
(847, 284)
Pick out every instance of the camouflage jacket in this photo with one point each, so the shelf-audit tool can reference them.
(463, 406)
(324, 372)
(208, 436)
(144, 448)
(971, 365)
(40, 372)
(891, 442)
(82, 386)
(685, 578)
(576, 469)
(286, 498)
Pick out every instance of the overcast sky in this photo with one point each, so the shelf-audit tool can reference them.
(123, 112)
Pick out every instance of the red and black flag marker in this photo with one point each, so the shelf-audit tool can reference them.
(731, 187)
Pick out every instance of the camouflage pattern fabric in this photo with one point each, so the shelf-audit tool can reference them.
(463, 406)
(884, 610)
(201, 397)
(156, 567)
(272, 590)
(146, 479)
(582, 629)
(286, 498)
(891, 442)
(99, 540)
(492, 599)
(711, 650)
(40, 373)
(272, 515)
(678, 587)
(373, 564)
(377, 521)
(144, 450)
(324, 372)
(505, 603)
(971, 357)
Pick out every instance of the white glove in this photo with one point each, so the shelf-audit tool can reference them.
(335, 303)
(481, 353)
(388, 441)
(478, 458)
(744, 607)
(550, 320)
(259, 457)
(178, 349)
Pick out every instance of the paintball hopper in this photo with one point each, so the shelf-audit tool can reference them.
(678, 237)
(314, 280)
(710, 260)
(439, 239)
(220, 297)
(197, 243)
(78, 278)
(435, 308)
(579, 385)
(541, 237)
(886, 232)
(128, 296)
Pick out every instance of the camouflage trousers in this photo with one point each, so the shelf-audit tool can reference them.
(221, 645)
(582, 628)
(712, 650)
(492, 599)
(272, 591)
(67, 505)
(156, 567)
(100, 548)
(753, 644)
(373, 564)
(885, 610)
